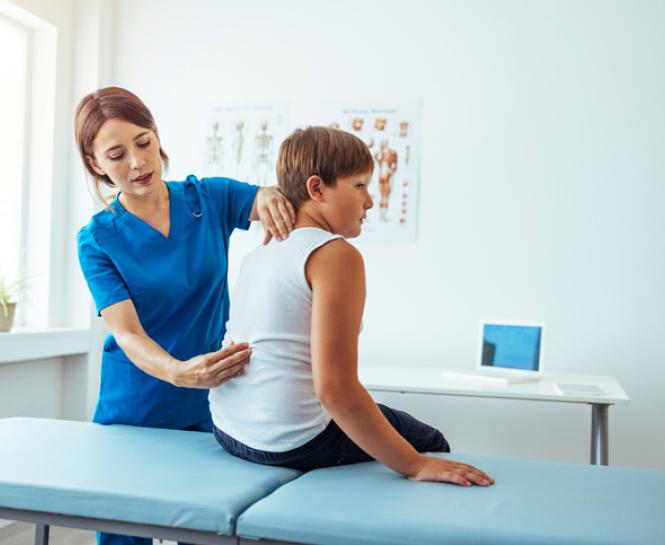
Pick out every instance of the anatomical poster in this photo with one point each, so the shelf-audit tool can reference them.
(242, 141)
(391, 132)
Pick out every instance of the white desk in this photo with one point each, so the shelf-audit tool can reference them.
(430, 380)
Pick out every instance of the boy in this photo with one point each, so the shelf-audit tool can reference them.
(299, 304)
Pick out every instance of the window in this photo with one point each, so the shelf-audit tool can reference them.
(14, 70)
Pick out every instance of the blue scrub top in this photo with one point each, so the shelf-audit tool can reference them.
(178, 285)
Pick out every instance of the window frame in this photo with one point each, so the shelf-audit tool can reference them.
(24, 180)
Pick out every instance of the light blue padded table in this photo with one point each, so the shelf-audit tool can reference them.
(183, 486)
(532, 503)
(156, 483)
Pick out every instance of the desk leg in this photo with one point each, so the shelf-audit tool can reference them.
(599, 454)
(41, 534)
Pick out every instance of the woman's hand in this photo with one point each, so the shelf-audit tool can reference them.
(449, 471)
(275, 213)
(211, 369)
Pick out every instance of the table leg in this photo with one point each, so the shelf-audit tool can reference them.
(599, 419)
(41, 534)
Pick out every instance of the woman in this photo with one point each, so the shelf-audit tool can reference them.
(155, 260)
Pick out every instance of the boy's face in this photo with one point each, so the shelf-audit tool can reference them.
(347, 204)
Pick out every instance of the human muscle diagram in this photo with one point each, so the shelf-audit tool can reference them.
(391, 134)
(386, 162)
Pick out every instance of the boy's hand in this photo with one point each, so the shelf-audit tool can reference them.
(449, 471)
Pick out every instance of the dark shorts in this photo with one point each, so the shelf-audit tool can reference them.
(332, 447)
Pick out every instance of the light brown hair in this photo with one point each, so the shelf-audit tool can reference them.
(97, 108)
(319, 151)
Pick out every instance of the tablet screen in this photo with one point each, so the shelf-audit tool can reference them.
(511, 346)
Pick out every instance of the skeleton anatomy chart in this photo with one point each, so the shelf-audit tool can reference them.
(391, 133)
(242, 141)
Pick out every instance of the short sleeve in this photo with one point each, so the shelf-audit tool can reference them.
(104, 281)
(233, 200)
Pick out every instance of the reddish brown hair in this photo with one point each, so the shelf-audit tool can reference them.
(97, 108)
(319, 151)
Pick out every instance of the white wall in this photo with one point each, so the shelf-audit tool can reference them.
(543, 156)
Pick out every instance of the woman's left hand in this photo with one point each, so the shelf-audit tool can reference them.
(275, 213)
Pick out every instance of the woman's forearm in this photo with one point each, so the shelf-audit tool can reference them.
(355, 412)
(204, 371)
(148, 356)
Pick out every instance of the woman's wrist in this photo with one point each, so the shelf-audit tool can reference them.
(174, 371)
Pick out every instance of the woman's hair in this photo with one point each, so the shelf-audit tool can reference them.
(97, 108)
(319, 151)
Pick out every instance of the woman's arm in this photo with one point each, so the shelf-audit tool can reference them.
(275, 212)
(337, 277)
(202, 371)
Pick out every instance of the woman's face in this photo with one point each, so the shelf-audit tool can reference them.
(129, 156)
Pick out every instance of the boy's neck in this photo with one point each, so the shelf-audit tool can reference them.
(306, 217)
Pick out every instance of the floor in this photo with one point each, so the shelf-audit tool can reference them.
(21, 533)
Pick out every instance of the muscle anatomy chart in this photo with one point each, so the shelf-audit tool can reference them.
(391, 133)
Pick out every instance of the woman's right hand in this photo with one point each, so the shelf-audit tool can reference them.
(212, 369)
(449, 471)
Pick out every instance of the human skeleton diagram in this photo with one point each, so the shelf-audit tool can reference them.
(386, 159)
(215, 150)
(238, 142)
(263, 154)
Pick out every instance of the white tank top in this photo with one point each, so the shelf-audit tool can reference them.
(273, 405)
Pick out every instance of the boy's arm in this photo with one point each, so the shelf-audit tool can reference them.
(337, 277)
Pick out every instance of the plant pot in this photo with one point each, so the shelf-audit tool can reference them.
(7, 320)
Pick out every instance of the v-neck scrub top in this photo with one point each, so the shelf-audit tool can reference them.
(178, 285)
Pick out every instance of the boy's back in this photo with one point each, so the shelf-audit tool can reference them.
(300, 403)
(273, 406)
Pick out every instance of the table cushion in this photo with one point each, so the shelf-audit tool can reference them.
(532, 503)
(142, 475)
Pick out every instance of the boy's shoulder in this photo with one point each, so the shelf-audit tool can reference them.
(342, 248)
(338, 258)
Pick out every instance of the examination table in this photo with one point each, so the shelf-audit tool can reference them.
(183, 486)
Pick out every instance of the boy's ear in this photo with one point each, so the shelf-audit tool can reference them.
(93, 164)
(315, 188)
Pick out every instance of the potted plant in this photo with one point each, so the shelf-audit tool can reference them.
(9, 292)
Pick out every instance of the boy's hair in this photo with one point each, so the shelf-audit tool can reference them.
(319, 151)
